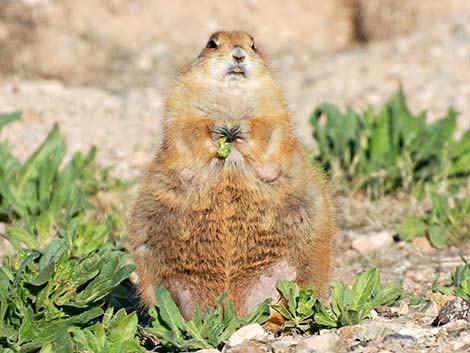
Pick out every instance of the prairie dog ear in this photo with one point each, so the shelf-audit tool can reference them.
(213, 41)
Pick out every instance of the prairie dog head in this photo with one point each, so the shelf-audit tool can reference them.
(230, 79)
(230, 57)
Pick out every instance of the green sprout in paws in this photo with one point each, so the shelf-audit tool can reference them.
(225, 147)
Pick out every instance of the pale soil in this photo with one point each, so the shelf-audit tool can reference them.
(103, 77)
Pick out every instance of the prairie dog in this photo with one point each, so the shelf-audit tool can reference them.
(203, 224)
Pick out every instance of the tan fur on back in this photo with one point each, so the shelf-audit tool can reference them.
(202, 225)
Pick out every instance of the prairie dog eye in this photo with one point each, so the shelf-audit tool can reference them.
(253, 46)
(211, 44)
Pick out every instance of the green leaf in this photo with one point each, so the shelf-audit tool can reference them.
(18, 236)
(463, 290)
(365, 285)
(391, 292)
(168, 310)
(32, 165)
(281, 309)
(323, 319)
(225, 148)
(411, 228)
(437, 236)
(127, 327)
(8, 118)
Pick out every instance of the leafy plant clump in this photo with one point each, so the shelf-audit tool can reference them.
(114, 334)
(381, 153)
(43, 294)
(208, 330)
(41, 193)
(447, 221)
(305, 312)
(459, 283)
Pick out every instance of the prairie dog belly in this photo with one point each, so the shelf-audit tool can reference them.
(231, 239)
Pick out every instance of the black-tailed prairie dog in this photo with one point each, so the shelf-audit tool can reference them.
(204, 224)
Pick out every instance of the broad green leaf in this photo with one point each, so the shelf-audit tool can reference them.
(127, 327)
(17, 236)
(31, 167)
(168, 310)
(391, 292)
(6, 118)
(411, 228)
(259, 314)
(323, 319)
(365, 285)
(281, 309)
(463, 290)
(437, 236)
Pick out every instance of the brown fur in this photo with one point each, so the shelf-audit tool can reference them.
(202, 225)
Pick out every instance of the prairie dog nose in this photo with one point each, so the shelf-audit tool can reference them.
(238, 54)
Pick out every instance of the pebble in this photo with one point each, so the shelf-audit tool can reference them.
(252, 332)
(441, 299)
(371, 242)
(399, 337)
(457, 309)
(327, 343)
(461, 342)
(429, 313)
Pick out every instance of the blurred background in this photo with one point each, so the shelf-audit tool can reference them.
(101, 68)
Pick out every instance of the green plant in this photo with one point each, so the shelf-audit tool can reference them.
(447, 220)
(301, 306)
(380, 153)
(115, 334)
(208, 330)
(348, 306)
(40, 193)
(6, 118)
(459, 283)
(44, 293)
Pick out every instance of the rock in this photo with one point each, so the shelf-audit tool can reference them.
(347, 332)
(285, 344)
(457, 309)
(249, 347)
(461, 342)
(400, 338)
(252, 332)
(403, 309)
(429, 313)
(329, 342)
(371, 242)
(441, 299)
(373, 315)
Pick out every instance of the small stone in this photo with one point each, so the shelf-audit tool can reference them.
(249, 347)
(252, 332)
(441, 299)
(285, 344)
(403, 309)
(399, 337)
(461, 342)
(327, 343)
(457, 309)
(347, 332)
(428, 313)
(374, 329)
(371, 242)
(373, 315)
